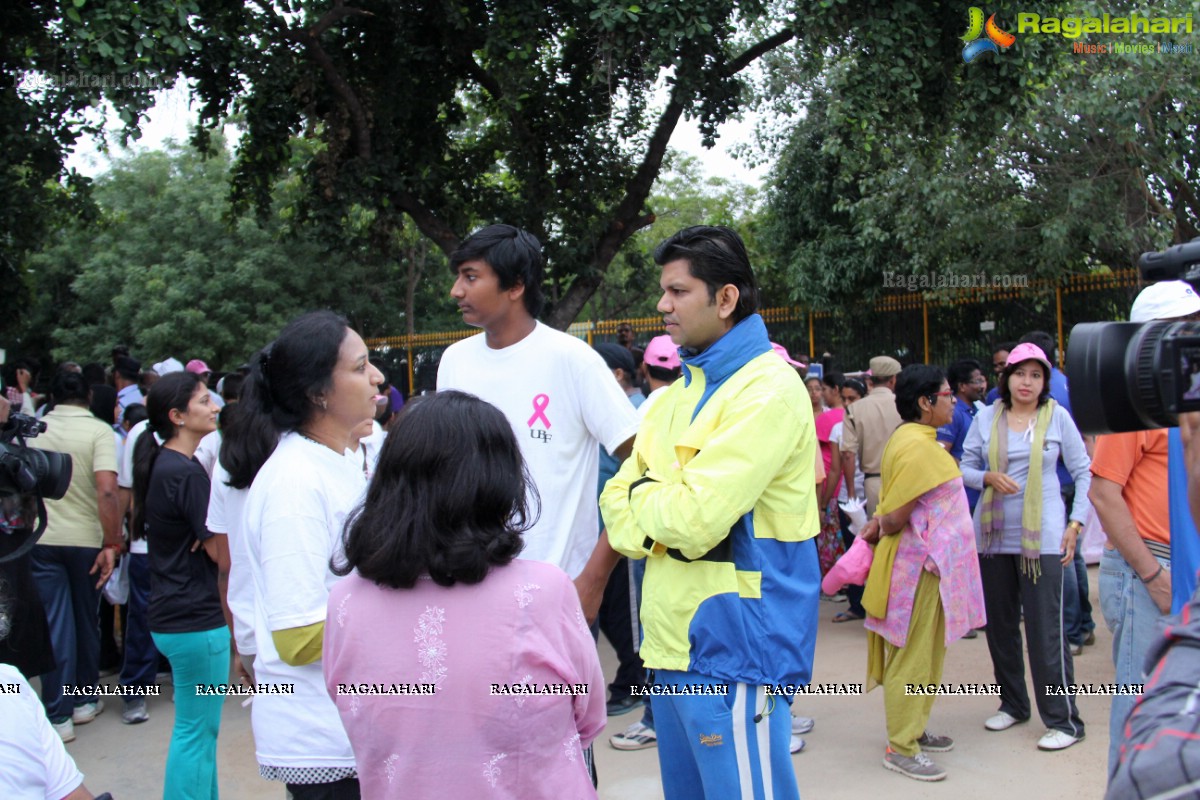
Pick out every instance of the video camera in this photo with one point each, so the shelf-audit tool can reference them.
(1134, 376)
(28, 476)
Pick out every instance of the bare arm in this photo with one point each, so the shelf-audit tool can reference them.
(591, 582)
(848, 473)
(1121, 530)
(835, 471)
(623, 452)
(109, 510)
(894, 521)
(216, 547)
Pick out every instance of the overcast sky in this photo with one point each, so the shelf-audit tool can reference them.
(171, 115)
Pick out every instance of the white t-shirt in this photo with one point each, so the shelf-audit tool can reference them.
(561, 400)
(125, 477)
(292, 525)
(34, 764)
(208, 450)
(226, 507)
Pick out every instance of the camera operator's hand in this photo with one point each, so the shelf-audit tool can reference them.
(105, 561)
(1001, 482)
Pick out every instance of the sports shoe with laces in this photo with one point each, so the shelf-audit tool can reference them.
(802, 725)
(933, 743)
(1055, 739)
(636, 737)
(918, 767)
(87, 712)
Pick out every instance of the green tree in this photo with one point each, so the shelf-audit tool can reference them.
(1039, 162)
(167, 270)
(682, 196)
(543, 114)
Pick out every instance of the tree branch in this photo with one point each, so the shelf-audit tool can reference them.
(759, 50)
(335, 15)
(427, 222)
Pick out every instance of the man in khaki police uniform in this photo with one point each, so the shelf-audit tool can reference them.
(868, 424)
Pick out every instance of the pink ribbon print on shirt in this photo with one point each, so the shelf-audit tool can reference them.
(540, 403)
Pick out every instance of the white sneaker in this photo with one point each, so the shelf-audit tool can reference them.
(803, 725)
(87, 712)
(1057, 740)
(1001, 721)
(65, 730)
(796, 745)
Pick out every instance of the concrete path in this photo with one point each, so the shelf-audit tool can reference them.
(842, 759)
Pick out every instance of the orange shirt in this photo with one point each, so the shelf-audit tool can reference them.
(1138, 462)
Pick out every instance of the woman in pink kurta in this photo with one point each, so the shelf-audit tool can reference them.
(924, 589)
(458, 670)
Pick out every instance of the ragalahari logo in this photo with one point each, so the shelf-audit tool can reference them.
(996, 38)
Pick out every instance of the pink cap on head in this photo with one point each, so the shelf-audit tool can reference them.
(662, 352)
(197, 366)
(1025, 352)
(782, 352)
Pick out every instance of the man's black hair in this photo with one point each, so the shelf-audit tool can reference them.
(513, 254)
(665, 374)
(960, 372)
(70, 387)
(717, 256)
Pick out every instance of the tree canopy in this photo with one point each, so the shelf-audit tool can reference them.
(1036, 161)
(166, 270)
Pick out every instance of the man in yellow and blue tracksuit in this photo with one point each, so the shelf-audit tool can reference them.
(719, 498)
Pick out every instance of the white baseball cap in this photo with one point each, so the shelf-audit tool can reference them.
(168, 366)
(1165, 300)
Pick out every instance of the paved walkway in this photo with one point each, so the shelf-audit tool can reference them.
(842, 760)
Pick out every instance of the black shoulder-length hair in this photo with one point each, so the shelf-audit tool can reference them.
(448, 497)
(286, 377)
(1006, 395)
(914, 382)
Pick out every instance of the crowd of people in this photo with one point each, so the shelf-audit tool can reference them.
(281, 531)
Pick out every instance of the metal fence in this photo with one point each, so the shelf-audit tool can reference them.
(930, 327)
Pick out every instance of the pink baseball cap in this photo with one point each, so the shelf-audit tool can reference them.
(782, 352)
(662, 352)
(197, 366)
(1025, 352)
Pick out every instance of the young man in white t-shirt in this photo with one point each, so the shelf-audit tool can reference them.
(558, 395)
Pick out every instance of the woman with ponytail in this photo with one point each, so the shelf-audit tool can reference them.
(308, 391)
(187, 619)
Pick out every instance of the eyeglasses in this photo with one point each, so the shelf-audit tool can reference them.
(946, 393)
(980, 381)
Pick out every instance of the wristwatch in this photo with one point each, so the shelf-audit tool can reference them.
(1076, 524)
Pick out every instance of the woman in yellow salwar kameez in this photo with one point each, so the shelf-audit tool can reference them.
(923, 591)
